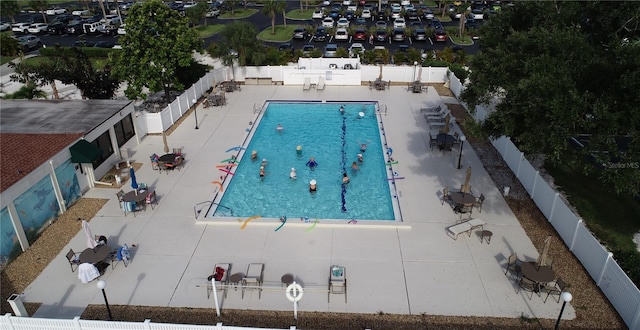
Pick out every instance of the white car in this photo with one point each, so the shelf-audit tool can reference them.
(121, 29)
(477, 14)
(343, 23)
(4, 26)
(396, 6)
(405, 2)
(20, 27)
(341, 34)
(56, 11)
(327, 22)
(82, 12)
(366, 13)
(346, 2)
(37, 28)
(353, 7)
(356, 48)
(317, 14)
(213, 12)
(326, 3)
(396, 13)
(399, 23)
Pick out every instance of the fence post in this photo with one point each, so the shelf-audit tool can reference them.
(604, 267)
(575, 233)
(520, 164)
(6, 322)
(533, 186)
(170, 117)
(147, 324)
(553, 207)
(76, 322)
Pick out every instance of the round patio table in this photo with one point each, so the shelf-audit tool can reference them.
(461, 198)
(540, 274)
(168, 158)
(133, 197)
(96, 255)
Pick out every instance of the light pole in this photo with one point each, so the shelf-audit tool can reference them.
(415, 69)
(462, 139)
(101, 285)
(195, 111)
(566, 297)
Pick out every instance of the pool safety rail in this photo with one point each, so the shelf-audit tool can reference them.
(381, 109)
(197, 209)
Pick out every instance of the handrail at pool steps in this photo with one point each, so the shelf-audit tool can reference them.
(211, 204)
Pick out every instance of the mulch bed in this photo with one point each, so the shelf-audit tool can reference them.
(592, 308)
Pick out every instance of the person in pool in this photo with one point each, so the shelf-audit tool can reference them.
(262, 174)
(360, 159)
(354, 167)
(279, 128)
(363, 147)
(312, 186)
(264, 162)
(312, 163)
(254, 155)
(345, 178)
(293, 174)
(342, 109)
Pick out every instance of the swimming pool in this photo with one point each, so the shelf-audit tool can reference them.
(334, 139)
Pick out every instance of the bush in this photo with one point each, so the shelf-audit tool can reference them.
(89, 51)
(459, 71)
(629, 261)
(8, 46)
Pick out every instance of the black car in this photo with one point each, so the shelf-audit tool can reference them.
(381, 35)
(110, 30)
(300, 33)
(36, 18)
(349, 14)
(57, 28)
(398, 34)
(83, 43)
(419, 34)
(74, 28)
(381, 15)
(321, 34)
(412, 14)
(104, 44)
(436, 24)
(285, 46)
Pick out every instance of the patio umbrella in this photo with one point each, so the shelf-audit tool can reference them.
(134, 182)
(542, 259)
(164, 140)
(419, 73)
(467, 187)
(380, 75)
(447, 120)
(91, 241)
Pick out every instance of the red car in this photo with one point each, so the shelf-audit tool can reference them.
(360, 34)
(440, 35)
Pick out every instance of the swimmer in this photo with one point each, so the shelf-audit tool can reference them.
(299, 150)
(360, 159)
(279, 128)
(345, 178)
(312, 163)
(264, 162)
(354, 167)
(312, 186)
(254, 155)
(360, 115)
(293, 174)
(342, 110)
(363, 147)
(262, 174)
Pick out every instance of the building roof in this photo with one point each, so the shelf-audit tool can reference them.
(33, 131)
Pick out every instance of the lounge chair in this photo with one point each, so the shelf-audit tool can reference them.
(221, 271)
(432, 141)
(320, 86)
(307, 84)
(253, 279)
(338, 281)
(464, 227)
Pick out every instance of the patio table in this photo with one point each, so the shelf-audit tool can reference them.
(98, 254)
(539, 274)
(137, 198)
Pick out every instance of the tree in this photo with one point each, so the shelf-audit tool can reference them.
(579, 78)
(40, 6)
(271, 8)
(29, 91)
(197, 13)
(240, 36)
(158, 44)
(9, 46)
(72, 66)
(10, 9)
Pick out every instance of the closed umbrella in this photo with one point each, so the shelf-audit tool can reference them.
(164, 140)
(542, 259)
(134, 182)
(447, 120)
(91, 241)
(419, 74)
(466, 188)
(380, 75)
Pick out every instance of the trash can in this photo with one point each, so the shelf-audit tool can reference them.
(15, 300)
(124, 153)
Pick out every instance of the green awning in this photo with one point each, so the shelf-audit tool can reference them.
(84, 152)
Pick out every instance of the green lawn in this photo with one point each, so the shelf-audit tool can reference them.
(6, 59)
(282, 34)
(612, 218)
(238, 13)
(209, 30)
(298, 14)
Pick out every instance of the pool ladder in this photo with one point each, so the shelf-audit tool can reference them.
(257, 108)
(197, 209)
(381, 109)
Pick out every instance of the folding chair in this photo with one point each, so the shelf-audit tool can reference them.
(72, 257)
(253, 279)
(123, 254)
(151, 199)
(513, 265)
(555, 289)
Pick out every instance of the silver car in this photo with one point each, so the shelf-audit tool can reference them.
(331, 50)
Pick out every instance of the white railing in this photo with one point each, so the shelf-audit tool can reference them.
(9, 322)
(599, 263)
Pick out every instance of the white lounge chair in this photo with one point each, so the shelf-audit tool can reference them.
(320, 85)
(253, 279)
(465, 227)
(337, 281)
(224, 280)
(307, 84)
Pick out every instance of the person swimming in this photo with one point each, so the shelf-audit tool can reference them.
(299, 150)
(354, 167)
(345, 178)
(360, 159)
(312, 186)
(363, 147)
(254, 155)
(312, 163)
(279, 128)
(293, 174)
(262, 174)
(264, 162)
(342, 109)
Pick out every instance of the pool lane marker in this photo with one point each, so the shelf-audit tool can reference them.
(312, 226)
(249, 219)
(226, 171)
(226, 165)
(284, 220)
(218, 183)
(391, 163)
(396, 178)
(232, 160)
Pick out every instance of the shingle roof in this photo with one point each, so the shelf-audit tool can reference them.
(22, 153)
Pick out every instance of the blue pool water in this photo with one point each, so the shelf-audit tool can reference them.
(333, 139)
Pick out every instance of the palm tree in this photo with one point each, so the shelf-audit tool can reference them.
(29, 91)
(271, 7)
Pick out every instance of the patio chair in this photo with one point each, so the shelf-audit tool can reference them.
(151, 199)
(528, 286)
(307, 84)
(253, 279)
(177, 151)
(221, 275)
(178, 163)
(548, 261)
(432, 141)
(320, 85)
(438, 109)
(554, 288)
(464, 209)
(72, 257)
(456, 138)
(120, 195)
(478, 203)
(337, 281)
(122, 254)
(445, 195)
(513, 265)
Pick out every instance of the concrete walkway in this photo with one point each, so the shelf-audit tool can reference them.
(410, 268)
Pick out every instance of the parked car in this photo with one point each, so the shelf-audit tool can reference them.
(360, 22)
(341, 35)
(396, 13)
(104, 44)
(381, 25)
(360, 35)
(327, 22)
(300, 33)
(321, 34)
(334, 14)
(477, 14)
(4, 26)
(81, 12)
(412, 14)
(440, 35)
(38, 28)
(20, 27)
(352, 7)
(427, 14)
(349, 14)
(285, 47)
(92, 28)
(308, 49)
(56, 11)
(398, 34)
(355, 49)
(318, 14)
(29, 42)
(436, 24)
(57, 28)
(75, 28)
(381, 35)
(83, 43)
(366, 13)
(416, 25)
(399, 23)
(36, 18)
(419, 34)
(110, 30)
(121, 29)
(330, 50)
(343, 23)
(212, 12)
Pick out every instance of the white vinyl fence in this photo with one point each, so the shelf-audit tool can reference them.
(605, 271)
(9, 322)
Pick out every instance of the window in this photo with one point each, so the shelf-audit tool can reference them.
(104, 143)
(124, 130)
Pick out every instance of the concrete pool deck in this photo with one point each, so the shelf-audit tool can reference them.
(407, 268)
